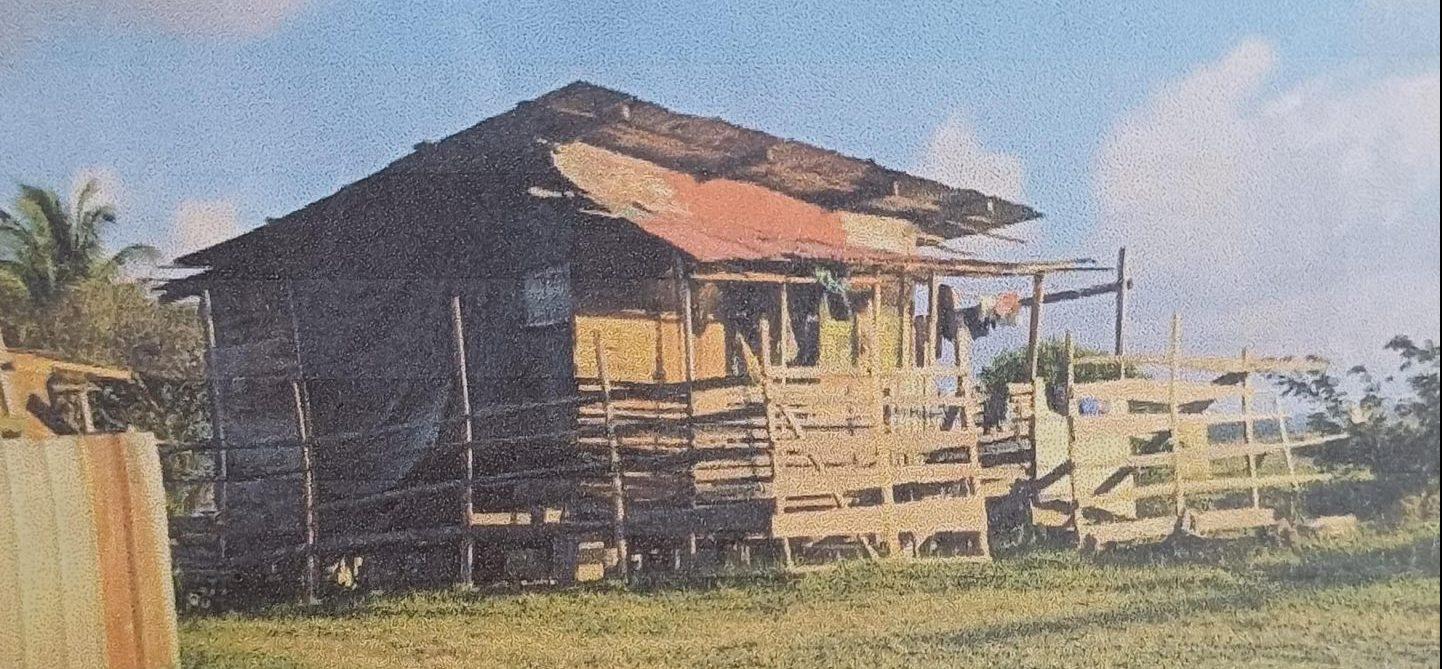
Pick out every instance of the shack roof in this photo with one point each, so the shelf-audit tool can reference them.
(705, 148)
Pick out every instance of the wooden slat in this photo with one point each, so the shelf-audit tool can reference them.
(1217, 365)
(1212, 485)
(1148, 390)
(1121, 425)
(1223, 520)
(923, 517)
(1131, 530)
(851, 479)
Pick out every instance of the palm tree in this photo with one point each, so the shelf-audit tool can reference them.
(48, 247)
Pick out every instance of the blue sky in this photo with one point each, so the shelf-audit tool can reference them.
(209, 117)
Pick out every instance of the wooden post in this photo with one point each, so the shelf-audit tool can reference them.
(933, 323)
(1033, 333)
(613, 462)
(217, 425)
(1076, 501)
(905, 300)
(1174, 372)
(772, 432)
(784, 307)
(688, 346)
(311, 576)
(1249, 429)
(1121, 318)
(1286, 436)
(467, 578)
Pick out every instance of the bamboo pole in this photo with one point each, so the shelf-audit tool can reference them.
(217, 420)
(467, 577)
(1249, 429)
(311, 576)
(613, 462)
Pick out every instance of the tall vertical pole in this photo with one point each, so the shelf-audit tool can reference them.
(763, 362)
(784, 326)
(311, 577)
(217, 419)
(613, 462)
(905, 301)
(1248, 428)
(1123, 279)
(1174, 415)
(688, 346)
(1033, 333)
(1076, 502)
(467, 578)
(933, 323)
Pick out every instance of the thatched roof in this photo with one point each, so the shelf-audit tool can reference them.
(707, 148)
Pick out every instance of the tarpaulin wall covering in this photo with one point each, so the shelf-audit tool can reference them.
(84, 555)
(376, 359)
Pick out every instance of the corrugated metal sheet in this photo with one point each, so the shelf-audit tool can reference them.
(84, 555)
(720, 219)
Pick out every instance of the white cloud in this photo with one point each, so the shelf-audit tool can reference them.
(201, 223)
(1296, 220)
(24, 23)
(954, 155)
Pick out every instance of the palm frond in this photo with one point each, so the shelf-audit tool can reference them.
(136, 253)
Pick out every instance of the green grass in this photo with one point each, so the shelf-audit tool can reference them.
(1368, 600)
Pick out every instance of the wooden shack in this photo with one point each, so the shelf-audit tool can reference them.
(730, 315)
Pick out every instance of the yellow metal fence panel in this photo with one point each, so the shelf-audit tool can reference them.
(84, 558)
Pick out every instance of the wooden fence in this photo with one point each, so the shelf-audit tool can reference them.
(1141, 457)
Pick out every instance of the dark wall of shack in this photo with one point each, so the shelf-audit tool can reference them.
(472, 230)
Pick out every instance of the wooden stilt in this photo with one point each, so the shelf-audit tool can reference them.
(467, 577)
(613, 461)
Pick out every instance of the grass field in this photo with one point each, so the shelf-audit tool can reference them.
(1369, 600)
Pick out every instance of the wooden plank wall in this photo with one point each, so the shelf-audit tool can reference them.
(84, 555)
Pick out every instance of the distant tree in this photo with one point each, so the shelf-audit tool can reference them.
(1012, 367)
(1392, 432)
(46, 246)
